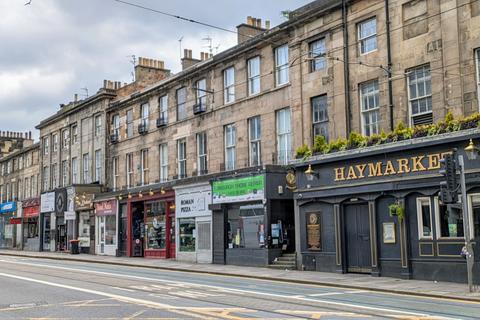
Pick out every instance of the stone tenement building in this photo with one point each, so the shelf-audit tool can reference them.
(19, 178)
(255, 103)
(14, 141)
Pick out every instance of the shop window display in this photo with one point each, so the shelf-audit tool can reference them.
(156, 225)
(187, 235)
(246, 227)
(84, 229)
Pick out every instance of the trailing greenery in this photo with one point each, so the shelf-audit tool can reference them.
(397, 210)
(401, 132)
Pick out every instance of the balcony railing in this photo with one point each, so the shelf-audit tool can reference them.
(142, 128)
(161, 122)
(114, 138)
(199, 108)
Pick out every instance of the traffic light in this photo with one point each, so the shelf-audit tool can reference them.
(449, 186)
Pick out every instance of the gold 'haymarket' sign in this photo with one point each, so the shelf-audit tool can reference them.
(389, 167)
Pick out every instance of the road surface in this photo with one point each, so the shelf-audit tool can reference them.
(54, 289)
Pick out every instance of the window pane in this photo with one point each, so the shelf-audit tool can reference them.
(246, 227)
(155, 225)
(451, 223)
(186, 235)
(476, 216)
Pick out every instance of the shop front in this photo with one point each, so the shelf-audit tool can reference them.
(151, 224)
(47, 222)
(31, 216)
(83, 226)
(106, 227)
(253, 219)
(8, 225)
(194, 223)
(376, 210)
(61, 220)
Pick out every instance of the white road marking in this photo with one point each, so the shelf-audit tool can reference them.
(123, 289)
(146, 303)
(325, 294)
(342, 304)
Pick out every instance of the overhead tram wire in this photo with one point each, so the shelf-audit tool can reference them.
(134, 148)
(309, 32)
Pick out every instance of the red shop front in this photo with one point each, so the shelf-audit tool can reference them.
(151, 224)
(31, 211)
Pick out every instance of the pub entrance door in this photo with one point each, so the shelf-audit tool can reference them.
(357, 234)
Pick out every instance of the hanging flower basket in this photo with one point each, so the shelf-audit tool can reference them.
(397, 210)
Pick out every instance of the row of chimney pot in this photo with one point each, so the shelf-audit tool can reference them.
(257, 23)
(20, 135)
(151, 63)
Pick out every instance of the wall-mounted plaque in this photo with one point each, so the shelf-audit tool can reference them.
(389, 232)
(314, 235)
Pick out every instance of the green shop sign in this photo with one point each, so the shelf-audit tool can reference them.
(239, 189)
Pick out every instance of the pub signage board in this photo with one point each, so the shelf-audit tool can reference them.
(242, 189)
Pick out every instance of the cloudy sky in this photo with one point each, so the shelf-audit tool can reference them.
(51, 49)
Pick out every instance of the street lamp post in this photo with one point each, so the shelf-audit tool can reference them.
(466, 224)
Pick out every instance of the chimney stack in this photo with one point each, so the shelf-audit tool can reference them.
(251, 28)
(148, 70)
(188, 60)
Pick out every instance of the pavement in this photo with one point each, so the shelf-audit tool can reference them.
(47, 289)
(456, 291)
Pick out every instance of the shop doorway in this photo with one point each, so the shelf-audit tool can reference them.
(61, 235)
(358, 248)
(203, 240)
(122, 230)
(138, 229)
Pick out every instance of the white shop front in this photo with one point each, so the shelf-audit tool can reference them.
(194, 223)
(106, 227)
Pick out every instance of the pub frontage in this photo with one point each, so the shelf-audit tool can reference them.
(376, 210)
(252, 216)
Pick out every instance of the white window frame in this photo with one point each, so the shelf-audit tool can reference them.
(257, 123)
(74, 170)
(163, 107)
(65, 139)
(420, 201)
(145, 114)
(418, 98)
(281, 66)
(202, 159)
(181, 104)
(375, 92)
(86, 168)
(363, 39)
(477, 65)
(437, 222)
(116, 125)
(287, 135)
(129, 162)
(317, 55)
(163, 162)
(54, 175)
(74, 134)
(129, 123)
(201, 92)
(470, 216)
(55, 142)
(45, 146)
(230, 135)
(64, 173)
(182, 158)
(229, 85)
(115, 173)
(254, 83)
(144, 167)
(98, 125)
(98, 165)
